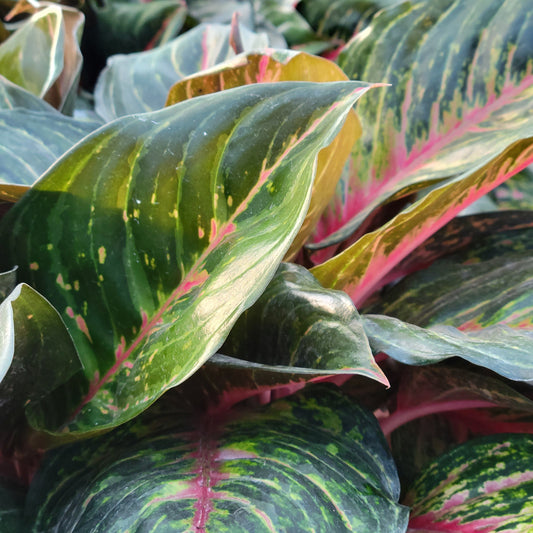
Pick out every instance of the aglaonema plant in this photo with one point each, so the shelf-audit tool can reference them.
(238, 289)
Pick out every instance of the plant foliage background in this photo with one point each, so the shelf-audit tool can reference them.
(266, 266)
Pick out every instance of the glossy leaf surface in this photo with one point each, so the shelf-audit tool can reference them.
(137, 83)
(174, 229)
(363, 267)
(44, 135)
(313, 462)
(500, 348)
(453, 102)
(37, 355)
(297, 323)
(275, 66)
(12, 96)
(468, 295)
(33, 56)
(482, 485)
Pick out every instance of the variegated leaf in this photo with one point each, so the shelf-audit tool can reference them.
(313, 462)
(44, 135)
(462, 91)
(153, 234)
(33, 56)
(297, 325)
(515, 193)
(363, 267)
(137, 83)
(275, 66)
(483, 485)
(13, 96)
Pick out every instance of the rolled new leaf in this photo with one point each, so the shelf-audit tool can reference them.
(313, 462)
(155, 233)
(485, 484)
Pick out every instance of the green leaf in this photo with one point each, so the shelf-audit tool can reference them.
(37, 355)
(44, 135)
(11, 507)
(313, 462)
(275, 66)
(504, 350)
(363, 267)
(8, 281)
(468, 295)
(485, 484)
(461, 75)
(482, 235)
(13, 96)
(340, 18)
(177, 220)
(140, 82)
(298, 325)
(33, 56)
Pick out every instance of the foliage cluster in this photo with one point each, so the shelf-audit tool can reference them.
(240, 291)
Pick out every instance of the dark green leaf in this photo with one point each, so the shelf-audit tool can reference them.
(298, 325)
(313, 462)
(11, 507)
(153, 234)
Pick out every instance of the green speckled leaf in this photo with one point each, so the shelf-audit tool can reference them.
(33, 56)
(500, 348)
(297, 324)
(44, 135)
(313, 462)
(11, 507)
(153, 234)
(136, 83)
(461, 75)
(483, 485)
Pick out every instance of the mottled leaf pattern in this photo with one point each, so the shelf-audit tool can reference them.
(454, 101)
(275, 66)
(297, 323)
(363, 267)
(174, 229)
(483, 485)
(500, 348)
(313, 462)
(515, 193)
(137, 83)
(33, 56)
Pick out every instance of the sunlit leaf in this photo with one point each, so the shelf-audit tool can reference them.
(33, 56)
(153, 234)
(453, 102)
(313, 462)
(363, 267)
(275, 66)
(483, 485)
(136, 83)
